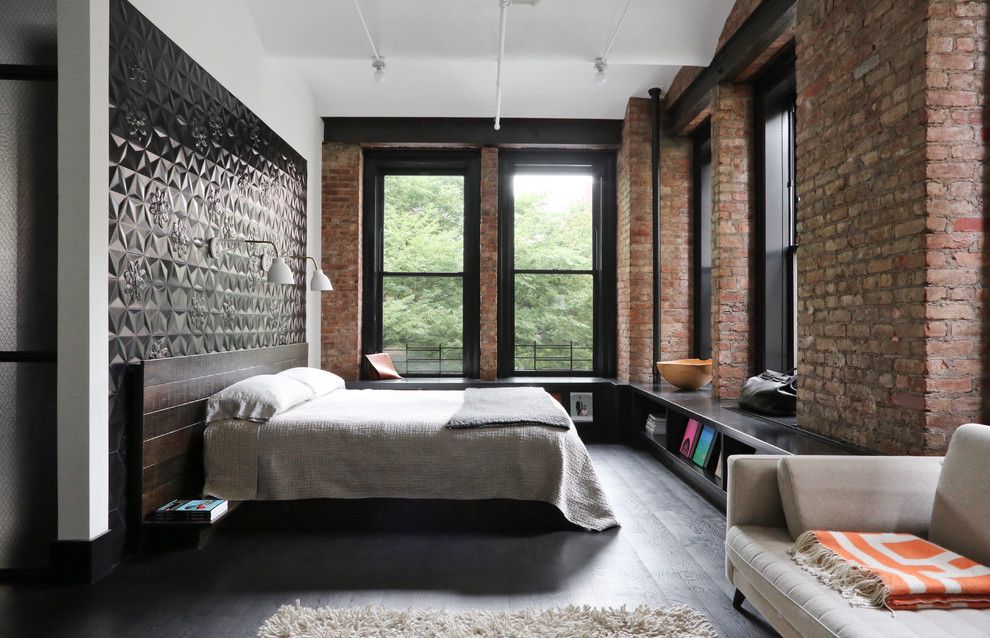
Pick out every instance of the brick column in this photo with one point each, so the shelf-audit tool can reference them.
(489, 263)
(341, 232)
(955, 311)
(634, 248)
(676, 248)
(732, 245)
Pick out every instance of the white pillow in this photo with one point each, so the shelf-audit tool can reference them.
(257, 398)
(320, 381)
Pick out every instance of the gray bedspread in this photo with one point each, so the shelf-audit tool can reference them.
(498, 407)
(395, 444)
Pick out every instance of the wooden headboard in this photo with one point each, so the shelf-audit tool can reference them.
(166, 435)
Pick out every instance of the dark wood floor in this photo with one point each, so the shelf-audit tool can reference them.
(668, 551)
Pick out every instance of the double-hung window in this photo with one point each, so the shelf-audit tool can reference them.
(556, 280)
(776, 216)
(702, 231)
(421, 257)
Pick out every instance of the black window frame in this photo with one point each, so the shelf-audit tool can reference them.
(377, 165)
(702, 240)
(601, 165)
(776, 252)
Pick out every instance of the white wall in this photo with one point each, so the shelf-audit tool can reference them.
(221, 36)
(83, 356)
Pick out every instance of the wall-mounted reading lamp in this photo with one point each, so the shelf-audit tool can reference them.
(276, 270)
(320, 282)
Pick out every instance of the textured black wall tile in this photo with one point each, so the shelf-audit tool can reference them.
(188, 162)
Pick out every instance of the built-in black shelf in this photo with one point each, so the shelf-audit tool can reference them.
(765, 435)
(459, 383)
(737, 432)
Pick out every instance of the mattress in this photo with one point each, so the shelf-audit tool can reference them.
(394, 444)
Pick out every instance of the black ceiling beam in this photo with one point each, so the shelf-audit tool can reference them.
(474, 131)
(770, 20)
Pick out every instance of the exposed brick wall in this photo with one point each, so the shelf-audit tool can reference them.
(861, 222)
(489, 262)
(634, 249)
(732, 249)
(341, 232)
(892, 349)
(676, 248)
(955, 81)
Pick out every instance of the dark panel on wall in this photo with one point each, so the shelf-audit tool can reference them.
(27, 322)
(188, 161)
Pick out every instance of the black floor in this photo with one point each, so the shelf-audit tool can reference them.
(668, 551)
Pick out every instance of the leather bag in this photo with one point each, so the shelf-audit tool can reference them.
(771, 393)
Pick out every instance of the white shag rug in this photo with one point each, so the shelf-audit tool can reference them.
(563, 622)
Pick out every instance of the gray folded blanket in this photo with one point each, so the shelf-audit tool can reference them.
(497, 407)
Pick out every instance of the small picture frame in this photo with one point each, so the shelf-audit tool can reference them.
(706, 445)
(582, 406)
(690, 438)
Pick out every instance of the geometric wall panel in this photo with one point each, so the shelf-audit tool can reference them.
(188, 161)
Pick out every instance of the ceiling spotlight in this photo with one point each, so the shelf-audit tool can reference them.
(601, 66)
(378, 64)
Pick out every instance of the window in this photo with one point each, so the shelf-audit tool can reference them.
(776, 222)
(702, 186)
(421, 261)
(557, 242)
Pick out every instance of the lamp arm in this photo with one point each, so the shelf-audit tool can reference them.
(315, 265)
(262, 241)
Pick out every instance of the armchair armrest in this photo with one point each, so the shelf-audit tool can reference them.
(858, 493)
(753, 497)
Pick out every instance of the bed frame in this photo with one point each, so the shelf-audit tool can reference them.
(166, 430)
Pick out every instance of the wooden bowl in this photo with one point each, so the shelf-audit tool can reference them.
(686, 374)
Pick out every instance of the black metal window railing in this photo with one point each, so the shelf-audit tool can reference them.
(541, 357)
(425, 359)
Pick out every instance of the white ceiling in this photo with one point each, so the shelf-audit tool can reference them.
(441, 53)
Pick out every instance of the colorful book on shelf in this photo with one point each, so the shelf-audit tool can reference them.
(706, 443)
(195, 510)
(690, 438)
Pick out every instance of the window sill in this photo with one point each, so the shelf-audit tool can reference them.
(458, 383)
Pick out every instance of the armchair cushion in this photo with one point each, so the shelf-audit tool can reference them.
(860, 494)
(961, 513)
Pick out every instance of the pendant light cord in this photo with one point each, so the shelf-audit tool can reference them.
(503, 19)
(615, 31)
(364, 24)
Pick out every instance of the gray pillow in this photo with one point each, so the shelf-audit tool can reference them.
(257, 398)
(320, 381)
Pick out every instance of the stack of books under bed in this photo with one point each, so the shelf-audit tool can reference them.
(190, 511)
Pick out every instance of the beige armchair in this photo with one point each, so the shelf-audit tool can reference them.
(773, 499)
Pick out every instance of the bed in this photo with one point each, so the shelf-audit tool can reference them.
(395, 444)
(350, 444)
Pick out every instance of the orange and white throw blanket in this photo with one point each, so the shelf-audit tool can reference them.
(896, 571)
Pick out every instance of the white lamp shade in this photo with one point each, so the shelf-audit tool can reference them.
(279, 273)
(320, 282)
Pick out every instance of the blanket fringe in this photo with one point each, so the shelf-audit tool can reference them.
(862, 588)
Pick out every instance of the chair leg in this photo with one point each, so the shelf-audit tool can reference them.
(737, 599)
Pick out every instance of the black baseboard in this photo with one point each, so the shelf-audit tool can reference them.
(84, 562)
